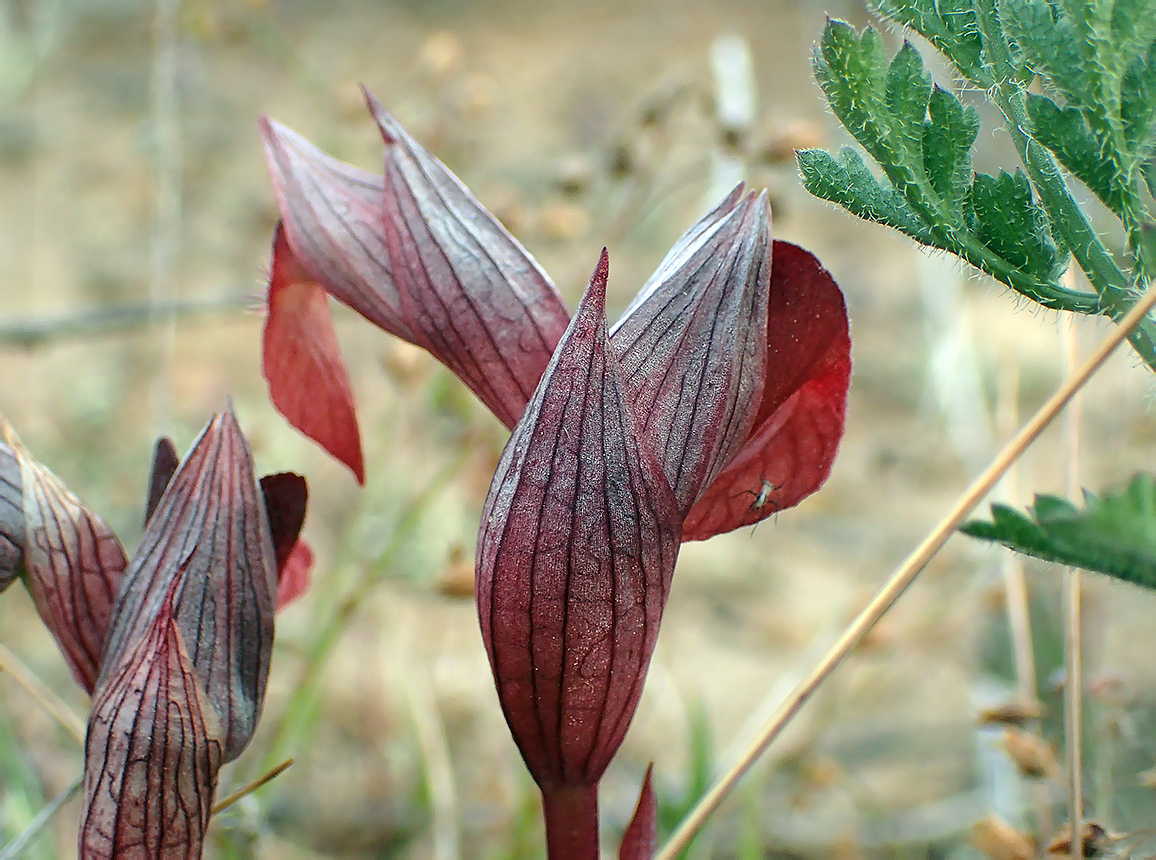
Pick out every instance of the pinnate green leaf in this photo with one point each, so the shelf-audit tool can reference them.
(948, 135)
(1138, 104)
(852, 72)
(950, 26)
(1101, 58)
(846, 180)
(922, 136)
(1114, 534)
(1066, 133)
(1007, 220)
(908, 90)
(1052, 45)
(893, 111)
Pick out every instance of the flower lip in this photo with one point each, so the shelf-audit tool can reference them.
(301, 361)
(802, 407)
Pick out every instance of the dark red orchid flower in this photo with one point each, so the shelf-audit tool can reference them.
(72, 562)
(716, 400)
(581, 529)
(183, 673)
(416, 254)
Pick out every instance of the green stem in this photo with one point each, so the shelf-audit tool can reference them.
(1136, 217)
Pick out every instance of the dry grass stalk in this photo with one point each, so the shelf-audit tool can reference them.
(41, 692)
(1073, 649)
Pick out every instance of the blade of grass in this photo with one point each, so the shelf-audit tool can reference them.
(47, 699)
(17, 846)
(902, 578)
(247, 789)
(301, 710)
(433, 743)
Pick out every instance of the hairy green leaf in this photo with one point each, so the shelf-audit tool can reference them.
(846, 180)
(1101, 58)
(852, 72)
(1009, 222)
(885, 107)
(1138, 105)
(908, 90)
(1066, 133)
(1114, 534)
(922, 136)
(1052, 45)
(948, 135)
(950, 26)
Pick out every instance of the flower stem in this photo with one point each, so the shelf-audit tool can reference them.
(571, 813)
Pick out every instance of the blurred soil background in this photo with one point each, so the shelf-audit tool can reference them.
(580, 125)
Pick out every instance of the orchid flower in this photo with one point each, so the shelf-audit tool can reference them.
(716, 400)
(72, 563)
(183, 674)
(417, 255)
(174, 646)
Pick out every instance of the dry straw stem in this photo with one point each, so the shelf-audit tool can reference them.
(227, 801)
(36, 688)
(900, 580)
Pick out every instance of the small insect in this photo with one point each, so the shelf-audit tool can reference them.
(763, 495)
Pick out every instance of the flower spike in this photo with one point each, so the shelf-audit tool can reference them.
(745, 418)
